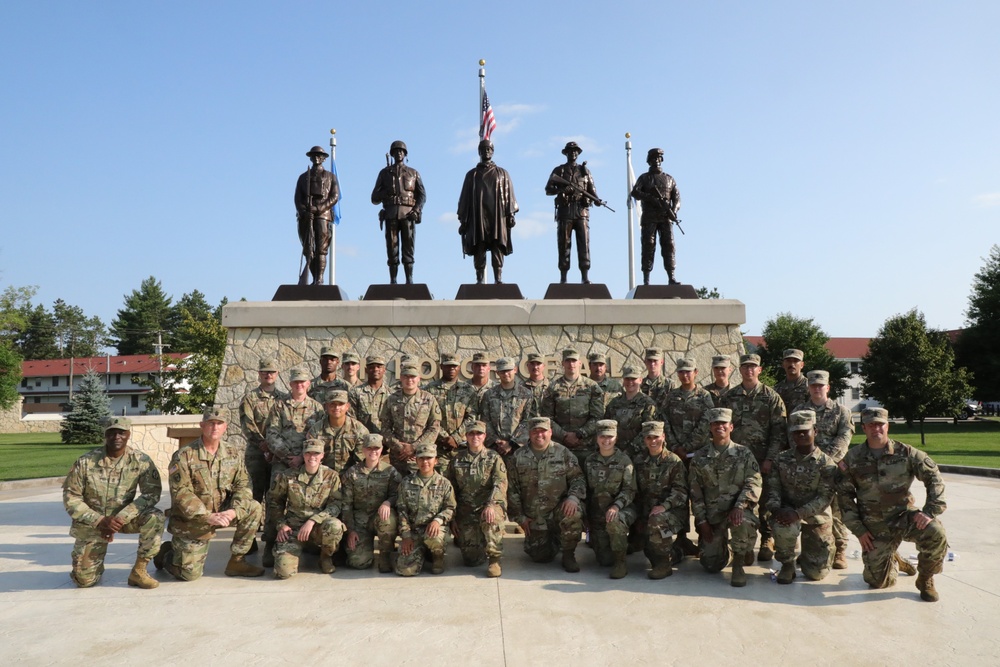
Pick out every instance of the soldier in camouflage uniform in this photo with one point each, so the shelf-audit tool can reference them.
(546, 496)
(835, 427)
(367, 400)
(340, 434)
(610, 495)
(480, 381)
(719, 384)
(725, 485)
(255, 414)
(598, 365)
(209, 489)
(793, 389)
(410, 417)
(759, 425)
(506, 409)
(538, 377)
(655, 382)
(479, 477)
(800, 488)
(368, 508)
(327, 380)
(425, 507)
(350, 366)
(99, 493)
(661, 499)
(459, 404)
(874, 494)
(631, 409)
(575, 404)
(306, 502)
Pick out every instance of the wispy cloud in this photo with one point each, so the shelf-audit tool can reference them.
(987, 200)
(530, 225)
(348, 250)
(509, 118)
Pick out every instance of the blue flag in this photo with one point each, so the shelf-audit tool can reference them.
(336, 207)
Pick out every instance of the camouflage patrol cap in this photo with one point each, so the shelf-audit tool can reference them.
(120, 423)
(607, 427)
(299, 375)
(215, 413)
(597, 358)
(426, 451)
(350, 358)
(329, 351)
(374, 360)
(721, 361)
(720, 415)
(409, 369)
(539, 422)
(686, 364)
(652, 428)
(317, 150)
(818, 377)
(398, 144)
(314, 446)
(536, 358)
(653, 354)
(449, 359)
(336, 396)
(506, 364)
(875, 416)
(571, 146)
(631, 372)
(752, 359)
(792, 353)
(570, 353)
(480, 358)
(268, 365)
(475, 427)
(801, 420)
(372, 441)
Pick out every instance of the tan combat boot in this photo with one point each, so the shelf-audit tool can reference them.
(138, 577)
(787, 574)
(239, 567)
(326, 565)
(493, 570)
(739, 578)
(385, 561)
(619, 570)
(661, 569)
(766, 552)
(925, 584)
(905, 566)
(437, 563)
(840, 558)
(569, 561)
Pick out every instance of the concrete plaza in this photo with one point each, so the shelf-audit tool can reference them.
(533, 614)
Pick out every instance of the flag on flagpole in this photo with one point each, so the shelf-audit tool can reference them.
(336, 207)
(488, 122)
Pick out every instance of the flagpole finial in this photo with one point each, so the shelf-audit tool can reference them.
(628, 135)
(333, 131)
(481, 62)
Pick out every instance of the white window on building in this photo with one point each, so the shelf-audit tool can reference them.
(855, 393)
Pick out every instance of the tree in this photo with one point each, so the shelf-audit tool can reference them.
(76, 334)
(787, 331)
(193, 307)
(146, 312)
(15, 304)
(977, 348)
(38, 338)
(911, 371)
(90, 410)
(10, 374)
(705, 293)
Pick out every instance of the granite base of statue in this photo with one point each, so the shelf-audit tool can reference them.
(577, 291)
(472, 291)
(309, 293)
(676, 291)
(399, 292)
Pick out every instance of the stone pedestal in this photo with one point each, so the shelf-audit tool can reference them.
(664, 292)
(577, 291)
(309, 293)
(488, 291)
(399, 292)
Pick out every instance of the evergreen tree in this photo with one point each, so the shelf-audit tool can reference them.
(90, 411)
(977, 347)
(190, 308)
(38, 339)
(787, 331)
(146, 311)
(76, 334)
(10, 374)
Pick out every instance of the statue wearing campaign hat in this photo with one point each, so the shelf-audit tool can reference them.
(573, 187)
(316, 193)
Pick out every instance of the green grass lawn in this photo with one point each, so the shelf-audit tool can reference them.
(969, 443)
(30, 455)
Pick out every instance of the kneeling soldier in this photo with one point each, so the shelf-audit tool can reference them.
(610, 492)
(368, 501)
(662, 500)
(425, 506)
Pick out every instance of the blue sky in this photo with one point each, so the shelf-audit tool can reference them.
(835, 161)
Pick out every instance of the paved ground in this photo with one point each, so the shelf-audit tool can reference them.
(534, 613)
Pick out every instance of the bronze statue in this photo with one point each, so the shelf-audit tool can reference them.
(660, 202)
(486, 211)
(574, 190)
(316, 192)
(401, 192)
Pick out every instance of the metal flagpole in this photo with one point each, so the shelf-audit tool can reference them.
(630, 177)
(333, 226)
(482, 91)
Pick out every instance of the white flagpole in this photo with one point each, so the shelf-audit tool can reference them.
(630, 177)
(482, 91)
(333, 227)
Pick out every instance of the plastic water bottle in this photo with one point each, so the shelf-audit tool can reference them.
(952, 556)
(774, 575)
(856, 554)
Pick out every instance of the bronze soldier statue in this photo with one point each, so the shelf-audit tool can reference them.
(316, 192)
(401, 192)
(573, 187)
(486, 211)
(660, 202)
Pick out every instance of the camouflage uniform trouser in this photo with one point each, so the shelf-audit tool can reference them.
(817, 546)
(840, 532)
(659, 531)
(326, 536)
(270, 529)
(259, 471)
(90, 548)
(609, 539)
(362, 556)
(716, 554)
(544, 541)
(880, 563)
(189, 554)
(476, 538)
(408, 566)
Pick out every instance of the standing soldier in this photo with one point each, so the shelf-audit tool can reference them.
(306, 502)
(878, 507)
(368, 508)
(340, 434)
(656, 382)
(99, 493)
(570, 183)
(350, 365)
(719, 384)
(631, 409)
(400, 191)
(410, 417)
(486, 210)
(660, 199)
(610, 493)
(425, 507)
(367, 400)
(662, 501)
(479, 477)
(574, 403)
(459, 404)
(597, 363)
(481, 381)
(327, 380)
(316, 193)
(505, 409)
(538, 377)
(793, 389)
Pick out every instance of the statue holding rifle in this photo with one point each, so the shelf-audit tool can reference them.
(660, 199)
(400, 191)
(316, 192)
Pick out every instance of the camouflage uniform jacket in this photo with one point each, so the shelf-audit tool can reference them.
(459, 404)
(506, 413)
(611, 388)
(479, 479)
(874, 491)
(720, 481)
(296, 496)
(98, 487)
(481, 391)
(320, 388)
(758, 419)
(537, 390)
(685, 416)
(630, 413)
(834, 427)
(539, 481)
(655, 388)
(793, 393)
(661, 480)
(415, 419)
(803, 483)
(422, 500)
(255, 414)
(342, 446)
(573, 405)
(367, 402)
(610, 482)
(364, 490)
(716, 391)
(202, 484)
(286, 434)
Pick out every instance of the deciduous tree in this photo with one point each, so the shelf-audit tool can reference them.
(978, 346)
(787, 331)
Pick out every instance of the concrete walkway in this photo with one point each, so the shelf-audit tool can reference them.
(533, 614)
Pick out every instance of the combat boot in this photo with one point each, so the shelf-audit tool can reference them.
(619, 570)
(493, 570)
(267, 560)
(925, 584)
(393, 272)
(253, 547)
(497, 273)
(437, 563)
(739, 578)
(787, 573)
(480, 276)
(385, 561)
(138, 577)
(661, 569)
(766, 552)
(840, 558)
(688, 547)
(583, 277)
(239, 567)
(160, 559)
(408, 270)
(569, 561)
(645, 277)
(747, 558)
(562, 277)
(905, 566)
(326, 565)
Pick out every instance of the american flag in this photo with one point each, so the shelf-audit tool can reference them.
(489, 121)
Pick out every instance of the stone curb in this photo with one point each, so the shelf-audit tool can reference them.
(14, 484)
(971, 470)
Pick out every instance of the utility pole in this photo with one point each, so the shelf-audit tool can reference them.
(159, 356)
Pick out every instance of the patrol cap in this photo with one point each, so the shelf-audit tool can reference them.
(686, 364)
(818, 377)
(120, 423)
(720, 415)
(570, 353)
(350, 358)
(539, 422)
(597, 358)
(374, 360)
(631, 372)
(536, 358)
(571, 145)
(475, 427)
(408, 359)
(215, 413)
(792, 353)
(652, 428)
(480, 358)
(317, 150)
(506, 364)
(721, 361)
(449, 359)
(802, 420)
(409, 369)
(607, 427)
(398, 144)
(314, 446)
(372, 441)
(653, 152)
(269, 365)
(875, 416)
(299, 375)
(336, 396)
(329, 351)
(753, 359)
(653, 354)
(426, 451)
